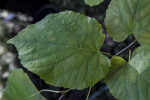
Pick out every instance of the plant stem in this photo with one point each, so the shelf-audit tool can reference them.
(45, 90)
(98, 93)
(126, 48)
(61, 97)
(63, 94)
(88, 93)
(129, 55)
(52, 91)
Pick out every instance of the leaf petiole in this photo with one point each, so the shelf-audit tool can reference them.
(88, 93)
(45, 90)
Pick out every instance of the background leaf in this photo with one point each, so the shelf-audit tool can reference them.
(93, 2)
(125, 17)
(141, 61)
(63, 49)
(20, 87)
(130, 81)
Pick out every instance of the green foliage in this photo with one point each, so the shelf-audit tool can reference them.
(126, 17)
(130, 80)
(63, 49)
(93, 2)
(20, 88)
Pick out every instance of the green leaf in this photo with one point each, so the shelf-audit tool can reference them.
(141, 61)
(130, 81)
(20, 87)
(63, 49)
(125, 17)
(93, 2)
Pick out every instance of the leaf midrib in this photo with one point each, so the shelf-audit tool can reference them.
(33, 42)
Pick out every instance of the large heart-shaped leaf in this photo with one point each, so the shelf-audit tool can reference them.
(93, 2)
(63, 49)
(131, 81)
(125, 17)
(20, 87)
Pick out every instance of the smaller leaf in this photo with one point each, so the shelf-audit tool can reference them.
(20, 88)
(116, 62)
(130, 80)
(93, 2)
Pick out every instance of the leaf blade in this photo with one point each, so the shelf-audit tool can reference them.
(62, 48)
(130, 81)
(126, 17)
(21, 88)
